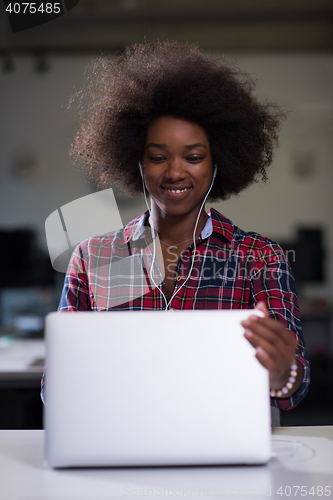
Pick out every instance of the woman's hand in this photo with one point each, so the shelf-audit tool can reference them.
(275, 346)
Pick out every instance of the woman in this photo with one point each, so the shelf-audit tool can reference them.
(166, 119)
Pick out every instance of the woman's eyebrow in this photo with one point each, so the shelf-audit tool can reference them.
(196, 145)
(155, 145)
(163, 146)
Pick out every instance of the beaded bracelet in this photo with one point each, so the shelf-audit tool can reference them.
(289, 385)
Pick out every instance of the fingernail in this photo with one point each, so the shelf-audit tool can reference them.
(248, 334)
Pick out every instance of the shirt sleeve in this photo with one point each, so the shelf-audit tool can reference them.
(75, 293)
(272, 282)
(42, 387)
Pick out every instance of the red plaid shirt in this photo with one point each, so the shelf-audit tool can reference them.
(232, 270)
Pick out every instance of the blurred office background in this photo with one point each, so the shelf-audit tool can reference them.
(288, 46)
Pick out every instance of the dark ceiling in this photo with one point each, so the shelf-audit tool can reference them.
(218, 25)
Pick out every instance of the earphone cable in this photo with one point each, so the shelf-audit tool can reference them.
(194, 240)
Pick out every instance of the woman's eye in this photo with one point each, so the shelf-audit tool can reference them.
(193, 159)
(157, 159)
(160, 159)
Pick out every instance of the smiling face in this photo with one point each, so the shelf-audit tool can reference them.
(177, 166)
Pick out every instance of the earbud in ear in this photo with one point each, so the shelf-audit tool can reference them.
(215, 171)
(140, 166)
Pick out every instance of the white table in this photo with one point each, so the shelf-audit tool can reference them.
(304, 458)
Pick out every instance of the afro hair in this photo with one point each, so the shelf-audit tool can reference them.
(126, 93)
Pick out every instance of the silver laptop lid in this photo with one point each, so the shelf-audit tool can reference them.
(154, 388)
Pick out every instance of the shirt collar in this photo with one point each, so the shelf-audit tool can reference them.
(220, 225)
(216, 223)
(136, 229)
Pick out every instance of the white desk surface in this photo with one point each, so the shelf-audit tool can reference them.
(304, 458)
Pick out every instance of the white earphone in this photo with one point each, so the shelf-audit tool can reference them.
(140, 166)
(144, 187)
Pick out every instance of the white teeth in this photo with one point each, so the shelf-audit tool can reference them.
(177, 190)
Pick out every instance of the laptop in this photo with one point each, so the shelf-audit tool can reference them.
(148, 388)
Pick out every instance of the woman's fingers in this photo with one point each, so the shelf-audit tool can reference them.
(275, 360)
(278, 372)
(262, 307)
(271, 330)
(275, 346)
(259, 341)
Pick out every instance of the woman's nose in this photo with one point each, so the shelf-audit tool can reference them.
(176, 169)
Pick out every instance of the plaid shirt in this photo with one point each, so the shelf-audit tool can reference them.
(232, 270)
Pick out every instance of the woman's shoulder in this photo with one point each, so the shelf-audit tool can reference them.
(243, 239)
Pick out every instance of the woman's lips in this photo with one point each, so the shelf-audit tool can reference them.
(177, 192)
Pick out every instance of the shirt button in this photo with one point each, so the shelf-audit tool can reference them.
(178, 278)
